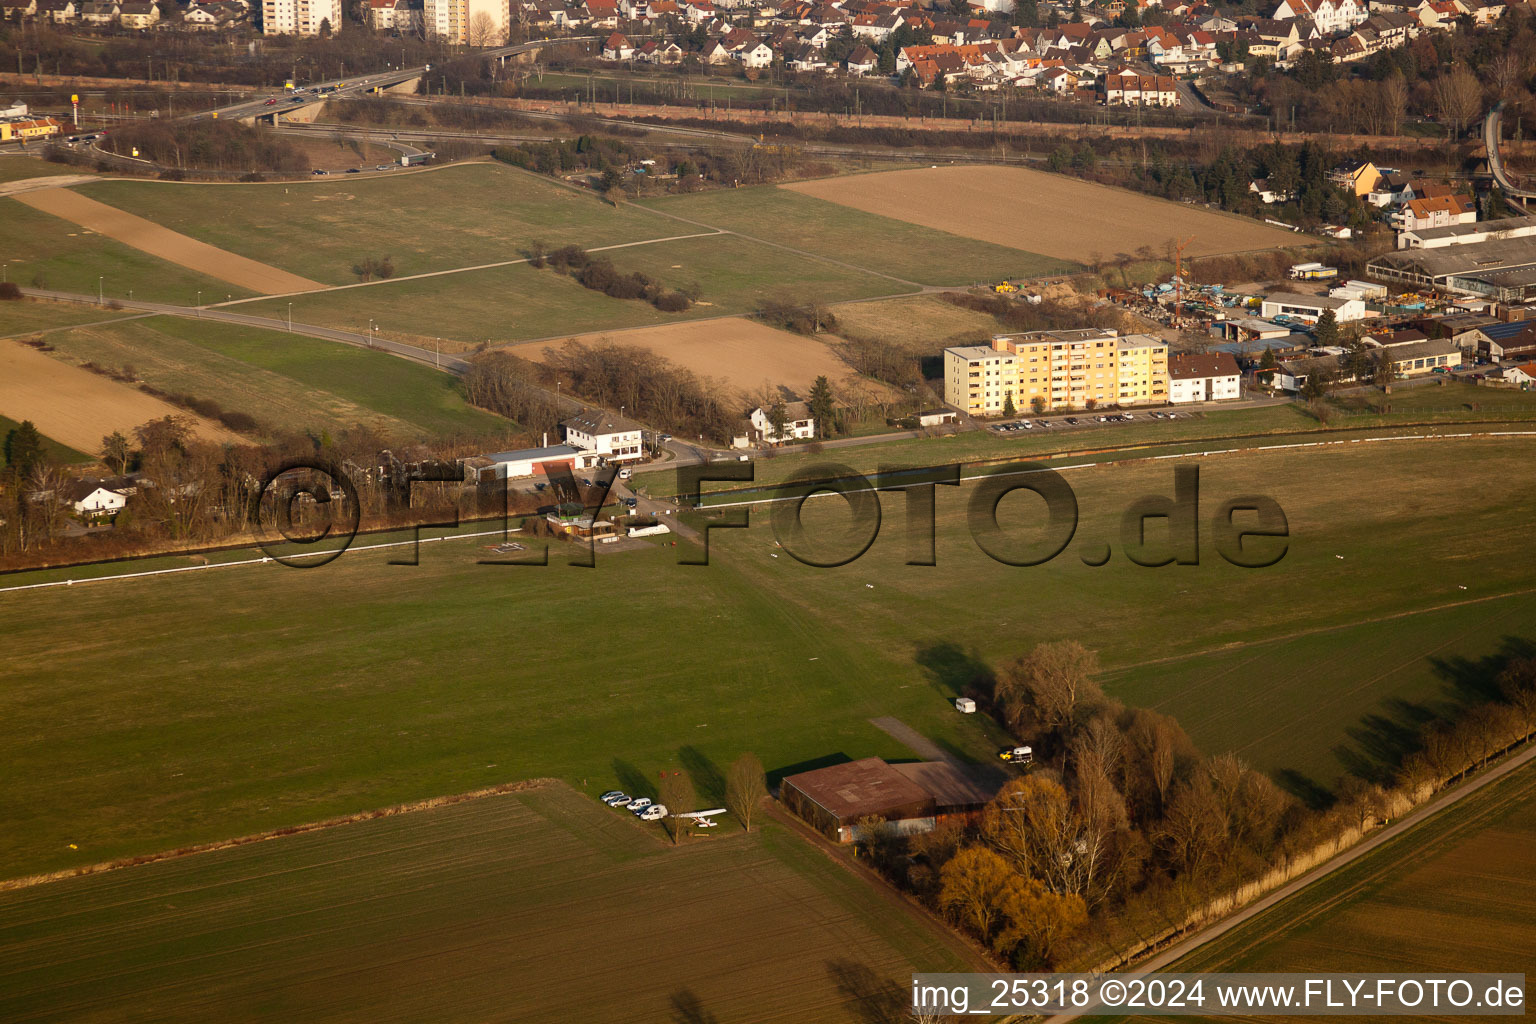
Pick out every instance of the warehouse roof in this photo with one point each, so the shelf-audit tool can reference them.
(858, 788)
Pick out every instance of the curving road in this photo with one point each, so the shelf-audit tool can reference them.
(1491, 129)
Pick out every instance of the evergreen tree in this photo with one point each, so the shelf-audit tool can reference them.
(1009, 409)
(24, 448)
(820, 402)
(1327, 330)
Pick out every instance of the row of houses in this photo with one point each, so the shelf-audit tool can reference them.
(138, 16)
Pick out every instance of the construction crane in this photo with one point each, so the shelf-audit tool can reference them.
(1178, 274)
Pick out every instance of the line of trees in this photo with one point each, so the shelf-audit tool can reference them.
(599, 274)
(1124, 831)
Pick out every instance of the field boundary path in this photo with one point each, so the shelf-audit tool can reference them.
(168, 245)
(1447, 798)
(11, 188)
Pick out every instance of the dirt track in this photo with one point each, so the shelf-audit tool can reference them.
(1050, 214)
(169, 245)
(77, 407)
(742, 353)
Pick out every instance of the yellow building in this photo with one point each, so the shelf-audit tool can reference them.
(1052, 371)
(25, 128)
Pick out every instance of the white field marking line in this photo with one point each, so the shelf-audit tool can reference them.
(452, 270)
(827, 492)
(250, 561)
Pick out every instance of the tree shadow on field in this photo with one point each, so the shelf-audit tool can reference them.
(1305, 788)
(1476, 680)
(873, 999)
(687, 1008)
(1383, 739)
(707, 779)
(956, 672)
(632, 780)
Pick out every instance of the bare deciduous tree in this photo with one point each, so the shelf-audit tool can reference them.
(745, 788)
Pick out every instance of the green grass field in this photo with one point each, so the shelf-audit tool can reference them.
(262, 696)
(286, 380)
(876, 243)
(458, 216)
(42, 250)
(519, 303)
(1454, 894)
(61, 453)
(535, 906)
(16, 167)
(21, 318)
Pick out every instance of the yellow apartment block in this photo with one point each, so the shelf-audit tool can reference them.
(1054, 371)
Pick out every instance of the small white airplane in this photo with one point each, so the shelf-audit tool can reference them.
(701, 815)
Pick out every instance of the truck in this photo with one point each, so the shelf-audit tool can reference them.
(1016, 755)
(1312, 271)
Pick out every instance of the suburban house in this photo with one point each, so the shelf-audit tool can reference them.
(1434, 212)
(610, 437)
(1211, 377)
(618, 47)
(799, 425)
(1357, 176)
(93, 500)
(1130, 89)
(1521, 376)
(1309, 308)
(139, 16)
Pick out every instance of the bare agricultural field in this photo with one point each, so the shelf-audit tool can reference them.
(919, 322)
(169, 245)
(742, 353)
(76, 407)
(1042, 212)
(1454, 894)
(541, 905)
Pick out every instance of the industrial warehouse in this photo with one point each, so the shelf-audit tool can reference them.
(1502, 269)
(917, 796)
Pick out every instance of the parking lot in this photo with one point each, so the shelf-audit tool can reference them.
(1084, 419)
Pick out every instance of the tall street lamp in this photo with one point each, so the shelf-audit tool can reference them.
(290, 318)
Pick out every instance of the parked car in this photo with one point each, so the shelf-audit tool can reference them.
(1072, 420)
(655, 812)
(612, 794)
(615, 798)
(639, 803)
(1126, 416)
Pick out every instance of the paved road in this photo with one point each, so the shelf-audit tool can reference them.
(1448, 798)
(1495, 160)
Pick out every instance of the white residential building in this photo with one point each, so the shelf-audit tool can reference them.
(798, 426)
(300, 17)
(1213, 377)
(611, 437)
